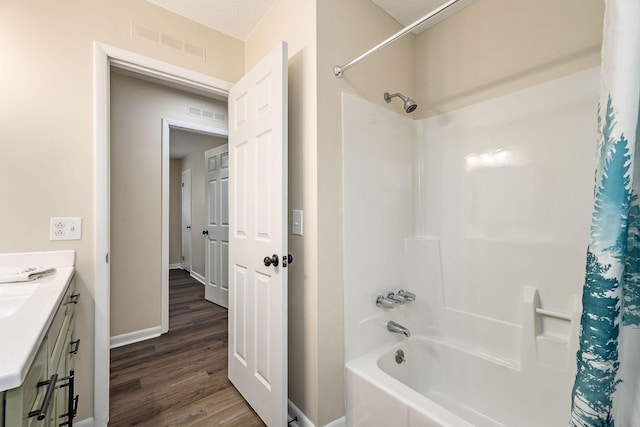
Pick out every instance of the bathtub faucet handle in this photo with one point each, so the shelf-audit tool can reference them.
(395, 298)
(383, 302)
(409, 296)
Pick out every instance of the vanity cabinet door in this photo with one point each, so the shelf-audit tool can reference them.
(59, 406)
(28, 397)
(54, 357)
(63, 369)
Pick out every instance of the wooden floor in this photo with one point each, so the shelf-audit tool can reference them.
(180, 378)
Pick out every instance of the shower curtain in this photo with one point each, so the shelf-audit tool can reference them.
(606, 390)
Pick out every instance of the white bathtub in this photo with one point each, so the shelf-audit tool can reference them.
(444, 385)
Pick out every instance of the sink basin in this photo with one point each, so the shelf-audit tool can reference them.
(13, 295)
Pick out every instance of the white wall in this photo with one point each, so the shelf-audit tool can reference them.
(378, 151)
(502, 200)
(508, 190)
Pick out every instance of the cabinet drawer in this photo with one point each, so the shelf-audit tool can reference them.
(65, 309)
(61, 347)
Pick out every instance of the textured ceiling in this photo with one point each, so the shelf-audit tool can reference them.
(238, 18)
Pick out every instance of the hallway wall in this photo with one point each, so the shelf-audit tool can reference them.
(137, 110)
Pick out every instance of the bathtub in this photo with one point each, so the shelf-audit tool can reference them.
(441, 384)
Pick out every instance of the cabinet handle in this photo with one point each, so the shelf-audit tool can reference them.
(72, 407)
(77, 346)
(73, 299)
(51, 386)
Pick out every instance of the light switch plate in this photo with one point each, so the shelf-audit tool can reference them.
(296, 226)
(64, 228)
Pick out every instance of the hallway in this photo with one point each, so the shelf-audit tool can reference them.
(180, 378)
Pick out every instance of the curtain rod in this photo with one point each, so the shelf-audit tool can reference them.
(339, 71)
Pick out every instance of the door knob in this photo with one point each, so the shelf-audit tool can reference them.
(271, 260)
(205, 232)
(287, 259)
(188, 226)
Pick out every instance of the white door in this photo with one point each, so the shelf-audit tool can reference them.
(186, 220)
(216, 164)
(258, 229)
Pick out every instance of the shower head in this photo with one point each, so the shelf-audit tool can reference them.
(409, 104)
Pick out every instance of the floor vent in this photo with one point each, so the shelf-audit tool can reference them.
(145, 32)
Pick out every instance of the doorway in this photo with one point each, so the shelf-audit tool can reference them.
(258, 143)
(188, 144)
(140, 155)
(107, 57)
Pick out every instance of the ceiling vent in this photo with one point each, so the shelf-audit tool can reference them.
(145, 32)
(206, 114)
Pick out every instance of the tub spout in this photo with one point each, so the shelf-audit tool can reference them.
(397, 328)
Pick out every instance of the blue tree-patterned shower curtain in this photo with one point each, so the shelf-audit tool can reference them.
(606, 391)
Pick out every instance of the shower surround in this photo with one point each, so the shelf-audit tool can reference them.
(484, 214)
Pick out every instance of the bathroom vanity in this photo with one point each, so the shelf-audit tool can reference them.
(37, 342)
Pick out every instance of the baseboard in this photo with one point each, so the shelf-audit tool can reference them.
(301, 419)
(175, 266)
(199, 277)
(87, 422)
(136, 336)
(340, 422)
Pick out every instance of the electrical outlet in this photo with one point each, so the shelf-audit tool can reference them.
(65, 228)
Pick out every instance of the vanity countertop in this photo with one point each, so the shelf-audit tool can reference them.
(22, 330)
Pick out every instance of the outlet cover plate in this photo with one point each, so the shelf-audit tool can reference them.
(65, 228)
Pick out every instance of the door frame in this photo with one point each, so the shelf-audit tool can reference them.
(167, 125)
(185, 233)
(105, 57)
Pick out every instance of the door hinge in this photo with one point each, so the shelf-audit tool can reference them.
(107, 258)
(183, 184)
(183, 258)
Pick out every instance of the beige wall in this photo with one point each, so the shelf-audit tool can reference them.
(294, 22)
(47, 76)
(137, 110)
(195, 162)
(175, 211)
(494, 47)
